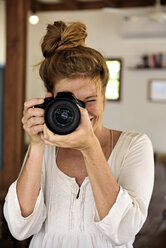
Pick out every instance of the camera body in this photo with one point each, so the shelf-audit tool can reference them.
(61, 114)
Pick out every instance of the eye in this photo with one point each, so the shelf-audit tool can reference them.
(92, 100)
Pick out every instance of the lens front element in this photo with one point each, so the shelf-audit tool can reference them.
(63, 116)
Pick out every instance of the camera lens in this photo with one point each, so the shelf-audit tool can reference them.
(63, 116)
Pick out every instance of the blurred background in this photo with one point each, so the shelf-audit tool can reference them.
(132, 33)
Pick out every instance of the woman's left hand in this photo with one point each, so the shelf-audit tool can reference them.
(80, 139)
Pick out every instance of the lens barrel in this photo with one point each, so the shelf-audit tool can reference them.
(62, 116)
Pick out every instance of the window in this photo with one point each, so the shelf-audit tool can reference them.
(114, 83)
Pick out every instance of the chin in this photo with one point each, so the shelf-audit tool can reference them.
(96, 128)
(93, 123)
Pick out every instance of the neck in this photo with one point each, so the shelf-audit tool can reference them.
(101, 133)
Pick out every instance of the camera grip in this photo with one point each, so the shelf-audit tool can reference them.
(45, 103)
(39, 106)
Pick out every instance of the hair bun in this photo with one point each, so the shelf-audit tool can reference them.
(60, 36)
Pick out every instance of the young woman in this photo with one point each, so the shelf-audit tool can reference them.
(89, 188)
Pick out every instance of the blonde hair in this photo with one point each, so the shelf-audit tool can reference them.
(66, 56)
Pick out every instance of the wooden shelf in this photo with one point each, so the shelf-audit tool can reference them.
(145, 69)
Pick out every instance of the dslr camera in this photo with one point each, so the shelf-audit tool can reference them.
(61, 114)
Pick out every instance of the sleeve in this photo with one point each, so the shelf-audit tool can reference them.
(23, 227)
(136, 180)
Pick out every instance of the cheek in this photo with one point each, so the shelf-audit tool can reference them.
(91, 108)
(94, 109)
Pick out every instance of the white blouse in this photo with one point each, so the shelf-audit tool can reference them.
(61, 219)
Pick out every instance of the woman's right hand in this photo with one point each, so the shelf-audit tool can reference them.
(33, 120)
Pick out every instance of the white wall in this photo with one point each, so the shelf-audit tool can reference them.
(133, 112)
(2, 33)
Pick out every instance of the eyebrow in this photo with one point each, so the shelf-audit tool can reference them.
(88, 97)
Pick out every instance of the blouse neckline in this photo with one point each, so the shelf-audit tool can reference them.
(65, 176)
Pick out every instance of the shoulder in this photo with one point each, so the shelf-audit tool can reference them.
(135, 137)
(133, 149)
(128, 140)
(131, 135)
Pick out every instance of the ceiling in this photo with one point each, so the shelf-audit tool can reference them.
(56, 5)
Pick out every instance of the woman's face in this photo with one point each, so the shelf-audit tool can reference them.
(85, 91)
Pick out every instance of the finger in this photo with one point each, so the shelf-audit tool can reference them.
(48, 94)
(84, 113)
(56, 139)
(48, 143)
(52, 138)
(47, 133)
(33, 112)
(46, 137)
(33, 121)
(31, 103)
(35, 130)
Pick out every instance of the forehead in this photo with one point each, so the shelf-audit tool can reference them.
(81, 86)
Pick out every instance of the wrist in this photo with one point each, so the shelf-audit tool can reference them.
(37, 146)
(35, 156)
(92, 144)
(35, 140)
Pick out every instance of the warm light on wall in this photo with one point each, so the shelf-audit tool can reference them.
(114, 82)
(34, 19)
